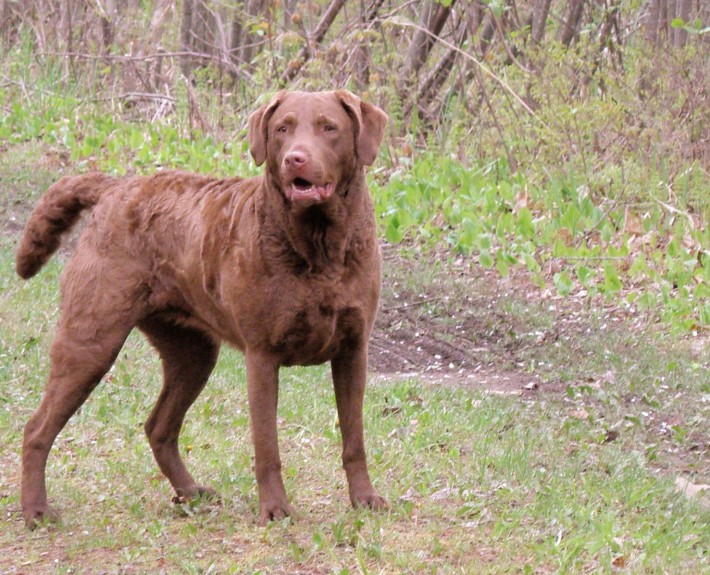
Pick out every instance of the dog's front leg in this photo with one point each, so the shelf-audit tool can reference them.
(349, 377)
(263, 389)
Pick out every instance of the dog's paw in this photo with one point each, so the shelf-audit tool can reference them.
(274, 511)
(196, 493)
(41, 516)
(370, 500)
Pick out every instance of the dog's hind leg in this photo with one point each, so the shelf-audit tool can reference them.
(78, 363)
(101, 304)
(188, 357)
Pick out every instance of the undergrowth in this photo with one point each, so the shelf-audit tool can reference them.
(568, 235)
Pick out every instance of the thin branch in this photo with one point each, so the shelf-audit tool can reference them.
(412, 304)
(315, 39)
(136, 96)
(480, 65)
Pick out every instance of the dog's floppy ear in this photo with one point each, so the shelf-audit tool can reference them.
(369, 123)
(258, 128)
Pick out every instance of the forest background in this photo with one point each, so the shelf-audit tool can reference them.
(541, 382)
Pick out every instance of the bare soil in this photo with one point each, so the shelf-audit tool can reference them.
(442, 333)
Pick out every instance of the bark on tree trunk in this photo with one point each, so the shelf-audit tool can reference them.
(327, 20)
(4, 21)
(431, 23)
(489, 30)
(653, 12)
(662, 28)
(108, 13)
(683, 11)
(667, 11)
(570, 27)
(541, 10)
(185, 36)
(244, 44)
(438, 76)
(161, 14)
(203, 28)
(316, 37)
(362, 56)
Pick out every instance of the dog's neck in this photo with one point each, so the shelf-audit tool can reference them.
(318, 238)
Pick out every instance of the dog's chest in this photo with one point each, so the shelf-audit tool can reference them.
(312, 322)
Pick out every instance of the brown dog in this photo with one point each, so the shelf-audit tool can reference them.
(285, 267)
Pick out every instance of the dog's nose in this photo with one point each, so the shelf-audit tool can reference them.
(295, 159)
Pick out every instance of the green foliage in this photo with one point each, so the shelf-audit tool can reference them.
(506, 220)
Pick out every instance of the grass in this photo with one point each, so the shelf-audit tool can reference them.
(575, 479)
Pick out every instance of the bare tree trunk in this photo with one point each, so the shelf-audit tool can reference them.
(203, 25)
(663, 20)
(683, 11)
(438, 76)
(653, 13)
(431, 23)
(362, 56)
(244, 43)
(704, 15)
(606, 42)
(667, 11)
(489, 30)
(327, 20)
(315, 38)
(5, 25)
(107, 17)
(540, 12)
(476, 15)
(69, 35)
(570, 27)
(162, 10)
(155, 76)
(186, 36)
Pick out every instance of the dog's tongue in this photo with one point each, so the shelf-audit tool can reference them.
(309, 193)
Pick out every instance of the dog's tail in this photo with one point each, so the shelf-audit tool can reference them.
(54, 215)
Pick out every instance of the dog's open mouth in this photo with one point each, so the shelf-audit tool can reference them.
(301, 190)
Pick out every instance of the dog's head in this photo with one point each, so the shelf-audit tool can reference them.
(314, 142)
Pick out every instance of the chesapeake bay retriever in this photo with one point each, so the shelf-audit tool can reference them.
(284, 266)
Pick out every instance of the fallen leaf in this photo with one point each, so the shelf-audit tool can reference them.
(442, 494)
(692, 491)
(632, 224)
(522, 199)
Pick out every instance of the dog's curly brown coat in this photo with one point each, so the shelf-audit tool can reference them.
(284, 266)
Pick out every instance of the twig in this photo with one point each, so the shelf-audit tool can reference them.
(136, 96)
(592, 258)
(413, 304)
(480, 65)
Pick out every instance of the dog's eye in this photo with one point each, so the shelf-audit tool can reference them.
(329, 128)
(282, 128)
